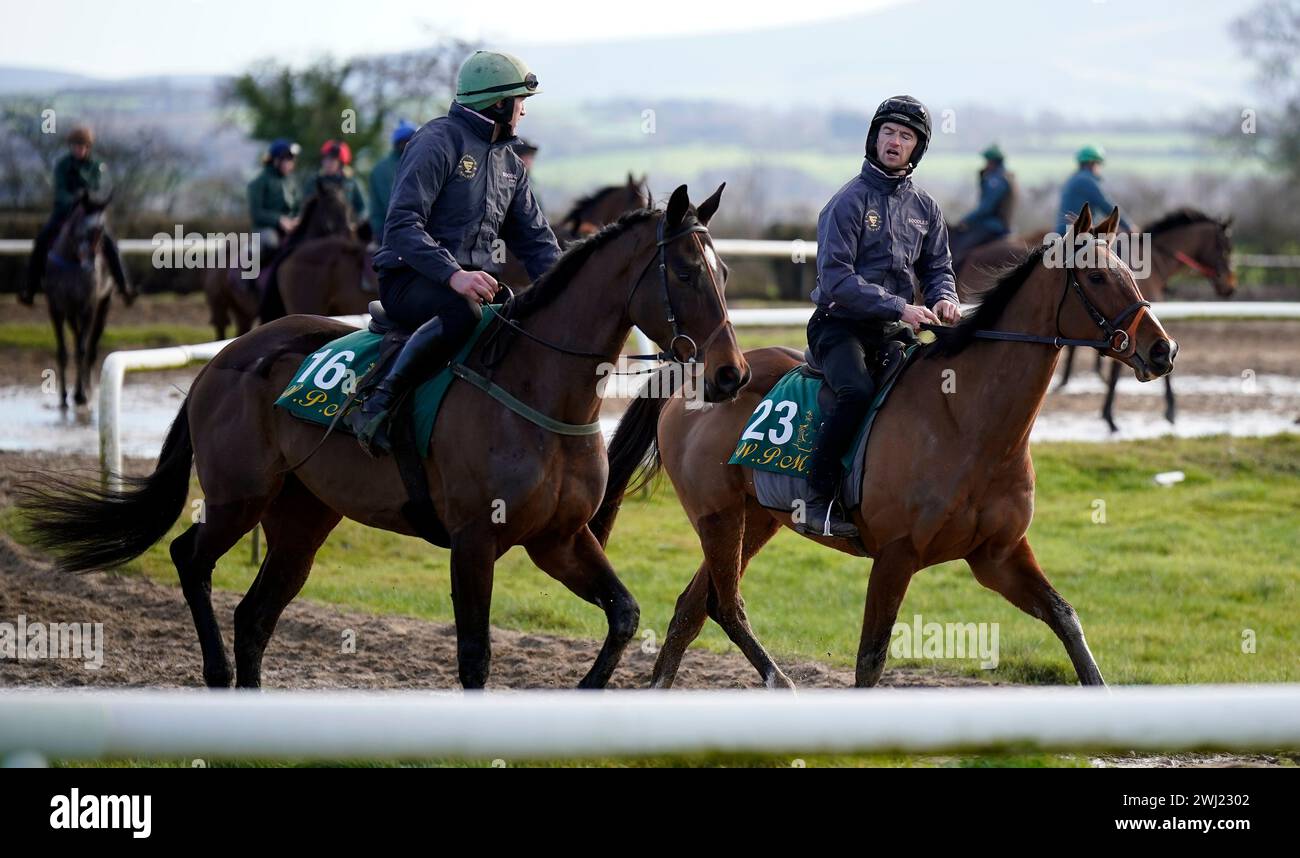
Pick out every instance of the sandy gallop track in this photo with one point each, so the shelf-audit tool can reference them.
(149, 640)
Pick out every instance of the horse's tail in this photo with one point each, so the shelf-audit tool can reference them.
(633, 449)
(88, 527)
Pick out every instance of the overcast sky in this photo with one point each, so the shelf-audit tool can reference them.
(127, 38)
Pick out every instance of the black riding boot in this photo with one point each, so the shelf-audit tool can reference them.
(36, 265)
(822, 515)
(420, 356)
(117, 270)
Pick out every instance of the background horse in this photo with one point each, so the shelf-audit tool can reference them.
(949, 474)
(1184, 239)
(496, 478)
(585, 218)
(78, 291)
(326, 214)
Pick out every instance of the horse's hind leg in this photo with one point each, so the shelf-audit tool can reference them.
(296, 524)
(580, 564)
(1069, 365)
(1019, 578)
(1170, 407)
(195, 553)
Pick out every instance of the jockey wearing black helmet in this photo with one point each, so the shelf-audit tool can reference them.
(875, 237)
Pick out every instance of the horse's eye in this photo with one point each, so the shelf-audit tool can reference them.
(1096, 279)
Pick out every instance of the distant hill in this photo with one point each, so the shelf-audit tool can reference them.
(1154, 59)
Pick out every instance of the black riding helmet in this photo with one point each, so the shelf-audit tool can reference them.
(904, 110)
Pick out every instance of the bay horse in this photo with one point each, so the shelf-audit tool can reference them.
(1185, 239)
(948, 471)
(78, 292)
(496, 479)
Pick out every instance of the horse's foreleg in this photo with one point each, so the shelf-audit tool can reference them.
(1069, 364)
(688, 619)
(725, 538)
(61, 351)
(1108, 407)
(891, 572)
(80, 333)
(1019, 578)
(296, 525)
(1170, 407)
(97, 333)
(579, 563)
(473, 556)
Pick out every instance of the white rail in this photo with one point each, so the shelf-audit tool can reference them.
(797, 249)
(279, 725)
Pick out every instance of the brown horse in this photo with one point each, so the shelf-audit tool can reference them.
(496, 479)
(325, 239)
(1185, 239)
(78, 292)
(586, 217)
(948, 470)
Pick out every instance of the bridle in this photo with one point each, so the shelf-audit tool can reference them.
(1119, 337)
(679, 334)
(670, 314)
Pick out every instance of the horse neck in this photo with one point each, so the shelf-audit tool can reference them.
(588, 315)
(1010, 380)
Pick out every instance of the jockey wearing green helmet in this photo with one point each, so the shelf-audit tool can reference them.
(1085, 187)
(461, 192)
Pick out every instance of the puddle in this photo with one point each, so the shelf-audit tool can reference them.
(33, 421)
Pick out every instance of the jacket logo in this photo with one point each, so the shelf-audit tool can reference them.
(872, 219)
(467, 166)
(917, 222)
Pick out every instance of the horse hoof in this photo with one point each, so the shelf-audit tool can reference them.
(778, 681)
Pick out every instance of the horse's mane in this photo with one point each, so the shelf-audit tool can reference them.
(954, 340)
(549, 286)
(1179, 217)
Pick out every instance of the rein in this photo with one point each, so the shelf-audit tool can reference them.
(668, 354)
(1119, 340)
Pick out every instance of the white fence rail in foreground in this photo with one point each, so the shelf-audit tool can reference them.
(283, 725)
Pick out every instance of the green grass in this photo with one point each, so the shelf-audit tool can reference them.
(39, 335)
(1165, 588)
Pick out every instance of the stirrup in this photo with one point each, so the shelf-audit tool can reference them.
(372, 434)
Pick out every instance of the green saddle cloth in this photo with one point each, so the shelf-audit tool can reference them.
(782, 433)
(326, 378)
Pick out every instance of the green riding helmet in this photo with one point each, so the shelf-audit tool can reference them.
(1091, 155)
(993, 153)
(489, 76)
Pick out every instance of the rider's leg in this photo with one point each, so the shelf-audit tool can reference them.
(841, 348)
(36, 264)
(442, 320)
(116, 269)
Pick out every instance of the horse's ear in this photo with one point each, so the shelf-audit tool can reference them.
(631, 180)
(678, 203)
(709, 207)
(1083, 223)
(1108, 226)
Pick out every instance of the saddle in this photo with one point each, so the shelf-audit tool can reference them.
(884, 366)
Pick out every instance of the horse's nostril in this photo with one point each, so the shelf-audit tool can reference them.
(728, 378)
